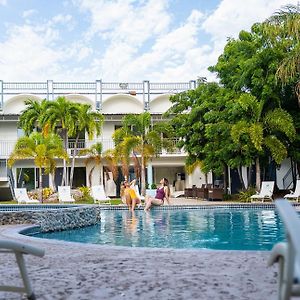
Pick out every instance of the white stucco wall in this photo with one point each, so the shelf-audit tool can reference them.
(16, 104)
(121, 103)
(160, 104)
(8, 131)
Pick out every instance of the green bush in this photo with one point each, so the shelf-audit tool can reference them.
(153, 186)
(244, 196)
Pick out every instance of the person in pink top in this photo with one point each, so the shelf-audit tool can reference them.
(162, 194)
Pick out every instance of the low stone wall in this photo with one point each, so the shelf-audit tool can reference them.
(54, 219)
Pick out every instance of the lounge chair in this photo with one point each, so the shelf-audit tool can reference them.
(287, 254)
(99, 195)
(22, 196)
(296, 194)
(266, 191)
(19, 249)
(64, 194)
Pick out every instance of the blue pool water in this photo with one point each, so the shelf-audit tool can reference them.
(226, 229)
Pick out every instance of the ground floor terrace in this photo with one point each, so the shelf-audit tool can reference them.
(85, 271)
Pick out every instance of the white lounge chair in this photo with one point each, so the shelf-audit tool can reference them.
(19, 249)
(64, 194)
(266, 191)
(287, 254)
(99, 195)
(22, 196)
(296, 194)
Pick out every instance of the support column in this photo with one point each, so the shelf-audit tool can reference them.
(192, 84)
(150, 174)
(146, 95)
(98, 94)
(50, 90)
(1, 94)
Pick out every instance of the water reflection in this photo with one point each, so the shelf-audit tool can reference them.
(213, 229)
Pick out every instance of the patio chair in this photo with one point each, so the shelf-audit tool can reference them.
(266, 191)
(287, 254)
(22, 196)
(296, 194)
(19, 249)
(64, 194)
(99, 195)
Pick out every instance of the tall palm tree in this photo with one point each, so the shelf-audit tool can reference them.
(43, 149)
(284, 25)
(29, 118)
(267, 132)
(61, 116)
(94, 154)
(89, 122)
(140, 139)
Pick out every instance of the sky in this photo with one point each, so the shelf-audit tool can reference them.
(121, 40)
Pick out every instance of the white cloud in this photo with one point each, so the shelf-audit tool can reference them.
(3, 2)
(126, 40)
(26, 54)
(28, 13)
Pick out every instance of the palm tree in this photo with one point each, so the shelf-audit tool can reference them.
(90, 122)
(284, 25)
(140, 139)
(61, 116)
(95, 156)
(44, 149)
(29, 118)
(266, 132)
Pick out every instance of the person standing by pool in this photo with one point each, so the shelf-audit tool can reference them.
(162, 194)
(129, 196)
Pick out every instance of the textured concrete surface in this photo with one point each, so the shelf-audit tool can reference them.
(81, 271)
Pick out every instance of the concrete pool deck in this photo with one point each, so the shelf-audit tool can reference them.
(82, 271)
(85, 271)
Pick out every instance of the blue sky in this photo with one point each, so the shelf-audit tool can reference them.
(120, 40)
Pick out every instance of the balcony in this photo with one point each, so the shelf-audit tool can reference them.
(6, 147)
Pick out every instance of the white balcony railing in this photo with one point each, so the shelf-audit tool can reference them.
(6, 147)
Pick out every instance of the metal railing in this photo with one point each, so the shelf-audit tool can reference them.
(6, 147)
(109, 144)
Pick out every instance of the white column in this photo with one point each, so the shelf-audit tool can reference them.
(150, 174)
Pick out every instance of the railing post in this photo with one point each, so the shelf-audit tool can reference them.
(1, 94)
(146, 94)
(50, 90)
(98, 94)
(192, 84)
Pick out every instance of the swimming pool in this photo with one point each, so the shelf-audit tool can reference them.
(224, 229)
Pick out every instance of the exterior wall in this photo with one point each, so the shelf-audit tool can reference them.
(8, 131)
(16, 104)
(124, 104)
(160, 104)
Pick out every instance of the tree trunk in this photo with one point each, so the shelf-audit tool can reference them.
(90, 176)
(40, 185)
(143, 176)
(73, 161)
(258, 180)
(241, 178)
(65, 141)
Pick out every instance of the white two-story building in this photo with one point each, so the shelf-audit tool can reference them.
(113, 100)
